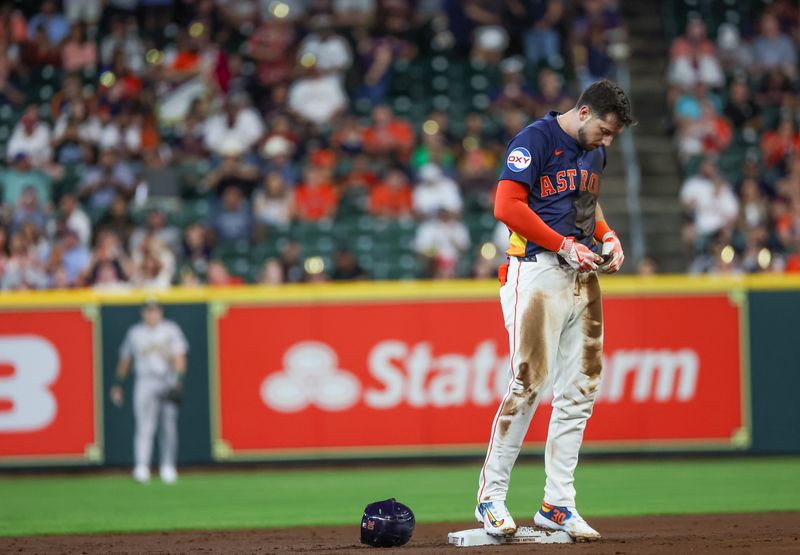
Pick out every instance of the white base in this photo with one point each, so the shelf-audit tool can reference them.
(525, 534)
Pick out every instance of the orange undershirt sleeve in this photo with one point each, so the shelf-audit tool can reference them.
(511, 208)
(600, 229)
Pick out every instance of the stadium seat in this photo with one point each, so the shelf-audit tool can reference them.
(238, 266)
(197, 210)
(262, 251)
(353, 202)
(232, 249)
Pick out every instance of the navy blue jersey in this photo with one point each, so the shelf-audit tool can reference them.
(563, 181)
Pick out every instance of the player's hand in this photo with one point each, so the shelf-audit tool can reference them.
(613, 256)
(174, 394)
(578, 255)
(116, 395)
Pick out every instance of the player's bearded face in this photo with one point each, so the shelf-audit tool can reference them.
(583, 137)
(594, 132)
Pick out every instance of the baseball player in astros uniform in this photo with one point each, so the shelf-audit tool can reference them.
(157, 349)
(547, 197)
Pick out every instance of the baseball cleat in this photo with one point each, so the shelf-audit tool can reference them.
(168, 474)
(495, 518)
(567, 519)
(141, 474)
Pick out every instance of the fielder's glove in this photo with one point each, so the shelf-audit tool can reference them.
(578, 255)
(174, 394)
(613, 257)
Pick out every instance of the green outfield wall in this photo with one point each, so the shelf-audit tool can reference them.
(302, 372)
(194, 422)
(775, 370)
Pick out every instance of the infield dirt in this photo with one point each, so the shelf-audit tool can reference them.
(708, 534)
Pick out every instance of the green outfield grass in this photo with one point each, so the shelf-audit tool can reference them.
(276, 498)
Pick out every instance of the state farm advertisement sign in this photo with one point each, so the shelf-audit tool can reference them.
(410, 374)
(47, 407)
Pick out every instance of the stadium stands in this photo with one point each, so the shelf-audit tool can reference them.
(179, 93)
(733, 84)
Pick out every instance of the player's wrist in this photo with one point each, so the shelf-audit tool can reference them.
(565, 245)
(611, 234)
(601, 229)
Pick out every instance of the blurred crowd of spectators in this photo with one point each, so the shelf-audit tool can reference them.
(733, 97)
(276, 111)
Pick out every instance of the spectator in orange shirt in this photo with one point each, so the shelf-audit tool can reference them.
(388, 134)
(391, 198)
(13, 26)
(360, 174)
(315, 198)
(777, 145)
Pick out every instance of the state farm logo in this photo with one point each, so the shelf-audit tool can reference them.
(29, 365)
(660, 375)
(519, 159)
(401, 374)
(310, 377)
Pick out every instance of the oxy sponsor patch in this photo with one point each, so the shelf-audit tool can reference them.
(518, 159)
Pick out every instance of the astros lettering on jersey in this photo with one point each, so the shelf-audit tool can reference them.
(563, 179)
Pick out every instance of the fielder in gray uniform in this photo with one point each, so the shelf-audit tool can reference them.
(157, 348)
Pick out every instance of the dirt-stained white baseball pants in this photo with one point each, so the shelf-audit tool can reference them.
(149, 405)
(554, 320)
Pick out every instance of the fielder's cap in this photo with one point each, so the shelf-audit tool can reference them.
(152, 303)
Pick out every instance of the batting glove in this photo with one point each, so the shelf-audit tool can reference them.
(613, 257)
(578, 255)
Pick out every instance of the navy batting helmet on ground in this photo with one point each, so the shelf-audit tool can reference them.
(387, 523)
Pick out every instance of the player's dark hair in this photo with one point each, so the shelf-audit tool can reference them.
(606, 97)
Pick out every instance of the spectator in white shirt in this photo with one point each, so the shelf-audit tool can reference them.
(236, 127)
(317, 98)
(435, 192)
(75, 218)
(330, 51)
(124, 36)
(694, 59)
(89, 127)
(441, 242)
(154, 264)
(712, 203)
(272, 202)
(32, 138)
